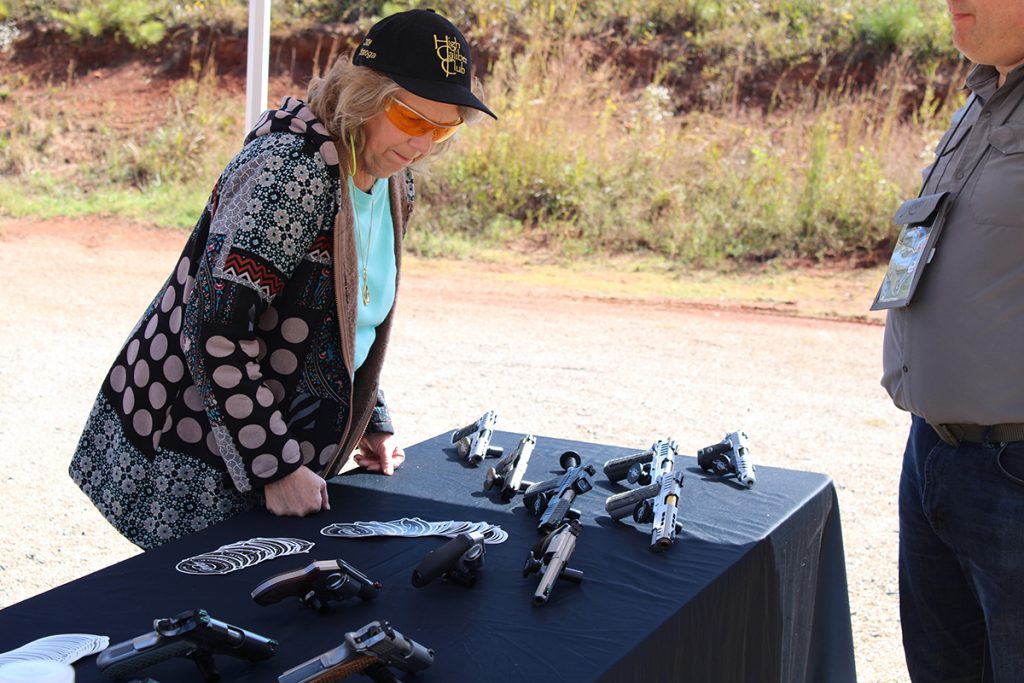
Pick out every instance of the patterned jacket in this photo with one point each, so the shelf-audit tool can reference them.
(240, 370)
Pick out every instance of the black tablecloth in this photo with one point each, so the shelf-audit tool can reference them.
(754, 588)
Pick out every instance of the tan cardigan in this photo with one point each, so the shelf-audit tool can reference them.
(346, 283)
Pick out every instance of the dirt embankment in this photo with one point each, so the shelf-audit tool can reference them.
(47, 55)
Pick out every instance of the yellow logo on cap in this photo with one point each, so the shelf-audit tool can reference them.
(363, 52)
(450, 53)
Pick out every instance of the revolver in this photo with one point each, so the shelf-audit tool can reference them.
(317, 584)
(370, 651)
(473, 441)
(550, 556)
(193, 634)
(510, 470)
(657, 501)
(458, 560)
(729, 456)
(563, 490)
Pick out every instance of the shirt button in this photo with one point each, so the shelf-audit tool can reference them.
(906, 369)
(959, 175)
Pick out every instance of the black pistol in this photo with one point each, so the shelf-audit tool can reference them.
(656, 502)
(473, 442)
(731, 455)
(552, 500)
(193, 634)
(458, 560)
(618, 469)
(508, 473)
(317, 584)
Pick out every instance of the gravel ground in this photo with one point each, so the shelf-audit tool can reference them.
(468, 339)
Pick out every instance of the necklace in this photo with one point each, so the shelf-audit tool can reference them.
(355, 222)
(369, 239)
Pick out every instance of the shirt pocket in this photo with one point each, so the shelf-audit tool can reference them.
(948, 144)
(997, 197)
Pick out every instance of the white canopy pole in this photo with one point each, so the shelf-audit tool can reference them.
(258, 61)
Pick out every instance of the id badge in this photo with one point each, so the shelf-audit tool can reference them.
(921, 220)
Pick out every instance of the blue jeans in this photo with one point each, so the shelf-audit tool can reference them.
(962, 559)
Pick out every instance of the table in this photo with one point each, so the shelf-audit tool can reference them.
(754, 588)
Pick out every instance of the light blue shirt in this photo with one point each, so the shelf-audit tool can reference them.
(375, 245)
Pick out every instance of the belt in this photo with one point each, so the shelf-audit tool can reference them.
(955, 434)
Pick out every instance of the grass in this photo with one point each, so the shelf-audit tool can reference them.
(582, 163)
(588, 161)
(773, 29)
(42, 196)
(65, 164)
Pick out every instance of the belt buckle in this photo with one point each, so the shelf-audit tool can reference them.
(947, 435)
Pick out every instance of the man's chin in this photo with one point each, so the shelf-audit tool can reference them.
(964, 46)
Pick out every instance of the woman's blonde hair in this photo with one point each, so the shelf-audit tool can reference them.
(349, 96)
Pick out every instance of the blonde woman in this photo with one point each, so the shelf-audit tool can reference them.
(253, 374)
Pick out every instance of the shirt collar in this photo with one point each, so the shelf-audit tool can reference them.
(983, 80)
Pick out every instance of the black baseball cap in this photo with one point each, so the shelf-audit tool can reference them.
(424, 53)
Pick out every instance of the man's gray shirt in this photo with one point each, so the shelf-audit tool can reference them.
(955, 354)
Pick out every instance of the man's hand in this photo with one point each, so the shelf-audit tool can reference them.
(379, 452)
(301, 493)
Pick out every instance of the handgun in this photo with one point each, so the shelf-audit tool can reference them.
(317, 584)
(657, 501)
(729, 456)
(473, 441)
(563, 490)
(458, 560)
(193, 634)
(618, 469)
(370, 651)
(508, 473)
(550, 556)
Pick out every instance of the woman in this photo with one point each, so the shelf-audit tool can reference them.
(253, 374)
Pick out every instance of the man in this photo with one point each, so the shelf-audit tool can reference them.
(954, 358)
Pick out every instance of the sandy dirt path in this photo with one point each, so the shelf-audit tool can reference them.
(468, 339)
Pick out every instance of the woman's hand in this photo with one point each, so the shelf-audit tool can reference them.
(301, 493)
(379, 452)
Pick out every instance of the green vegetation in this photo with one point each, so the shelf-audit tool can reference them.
(132, 20)
(751, 30)
(703, 132)
(44, 196)
(162, 176)
(606, 170)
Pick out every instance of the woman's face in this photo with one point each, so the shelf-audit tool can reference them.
(387, 150)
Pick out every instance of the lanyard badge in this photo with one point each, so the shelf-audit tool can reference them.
(921, 220)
